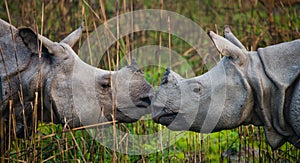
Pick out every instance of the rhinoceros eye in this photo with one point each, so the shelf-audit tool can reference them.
(104, 81)
(62, 47)
(197, 90)
(196, 87)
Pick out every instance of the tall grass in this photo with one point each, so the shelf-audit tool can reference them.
(256, 23)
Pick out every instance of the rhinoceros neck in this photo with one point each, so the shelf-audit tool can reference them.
(15, 60)
(260, 84)
(281, 65)
(269, 98)
(19, 80)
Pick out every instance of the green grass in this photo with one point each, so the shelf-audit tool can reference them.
(225, 145)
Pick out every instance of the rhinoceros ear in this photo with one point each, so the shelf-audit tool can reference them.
(227, 48)
(31, 41)
(231, 37)
(29, 38)
(72, 38)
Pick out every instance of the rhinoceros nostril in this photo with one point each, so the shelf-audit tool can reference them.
(159, 112)
(145, 101)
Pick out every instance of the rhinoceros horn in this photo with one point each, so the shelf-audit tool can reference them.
(226, 48)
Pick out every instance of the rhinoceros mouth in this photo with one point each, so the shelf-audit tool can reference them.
(135, 112)
(131, 114)
(165, 116)
(167, 119)
(144, 108)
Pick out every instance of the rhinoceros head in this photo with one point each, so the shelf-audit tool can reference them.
(210, 102)
(73, 92)
(120, 95)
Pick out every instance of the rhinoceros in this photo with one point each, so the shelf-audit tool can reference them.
(245, 87)
(35, 70)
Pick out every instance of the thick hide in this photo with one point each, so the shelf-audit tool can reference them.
(282, 66)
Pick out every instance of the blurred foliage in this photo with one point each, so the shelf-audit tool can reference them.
(257, 23)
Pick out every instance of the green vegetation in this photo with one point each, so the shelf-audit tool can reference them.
(255, 23)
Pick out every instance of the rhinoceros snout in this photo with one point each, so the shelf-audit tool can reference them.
(163, 115)
(134, 94)
(166, 103)
(156, 113)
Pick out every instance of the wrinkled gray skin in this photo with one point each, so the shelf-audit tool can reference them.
(246, 87)
(128, 93)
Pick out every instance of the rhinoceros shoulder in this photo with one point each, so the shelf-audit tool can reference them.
(281, 65)
(281, 62)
